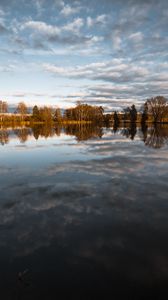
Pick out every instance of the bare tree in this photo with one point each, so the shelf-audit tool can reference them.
(46, 114)
(57, 115)
(158, 108)
(22, 109)
(3, 107)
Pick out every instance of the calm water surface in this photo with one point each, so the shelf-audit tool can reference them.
(83, 212)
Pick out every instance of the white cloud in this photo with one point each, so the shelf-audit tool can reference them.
(92, 40)
(136, 37)
(54, 69)
(126, 78)
(42, 27)
(68, 10)
(69, 33)
(89, 22)
(116, 40)
(39, 7)
(99, 20)
(50, 30)
(113, 71)
(8, 68)
(74, 26)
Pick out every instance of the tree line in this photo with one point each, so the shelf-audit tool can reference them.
(154, 110)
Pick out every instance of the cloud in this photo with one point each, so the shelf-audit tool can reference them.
(40, 6)
(68, 10)
(74, 26)
(2, 13)
(123, 80)
(113, 71)
(116, 40)
(7, 68)
(42, 28)
(136, 37)
(121, 45)
(69, 33)
(3, 29)
(99, 20)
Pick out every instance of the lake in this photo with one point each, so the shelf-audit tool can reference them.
(83, 212)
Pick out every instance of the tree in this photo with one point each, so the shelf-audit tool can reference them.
(130, 114)
(36, 113)
(158, 108)
(116, 122)
(133, 114)
(126, 116)
(57, 115)
(84, 112)
(22, 109)
(144, 114)
(108, 119)
(99, 114)
(46, 114)
(3, 107)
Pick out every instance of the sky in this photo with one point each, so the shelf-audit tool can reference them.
(56, 52)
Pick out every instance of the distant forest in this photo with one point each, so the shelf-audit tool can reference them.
(154, 110)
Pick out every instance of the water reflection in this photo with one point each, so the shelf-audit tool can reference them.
(154, 137)
(44, 131)
(97, 224)
(83, 133)
(4, 137)
(157, 137)
(22, 134)
(130, 132)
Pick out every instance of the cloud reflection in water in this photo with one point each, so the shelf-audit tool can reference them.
(107, 212)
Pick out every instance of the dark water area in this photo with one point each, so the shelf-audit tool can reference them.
(84, 212)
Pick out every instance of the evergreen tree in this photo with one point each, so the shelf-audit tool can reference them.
(144, 114)
(133, 114)
(36, 113)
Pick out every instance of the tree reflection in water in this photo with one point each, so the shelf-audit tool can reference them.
(84, 132)
(23, 134)
(155, 137)
(4, 137)
(144, 131)
(130, 132)
(43, 131)
(81, 132)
